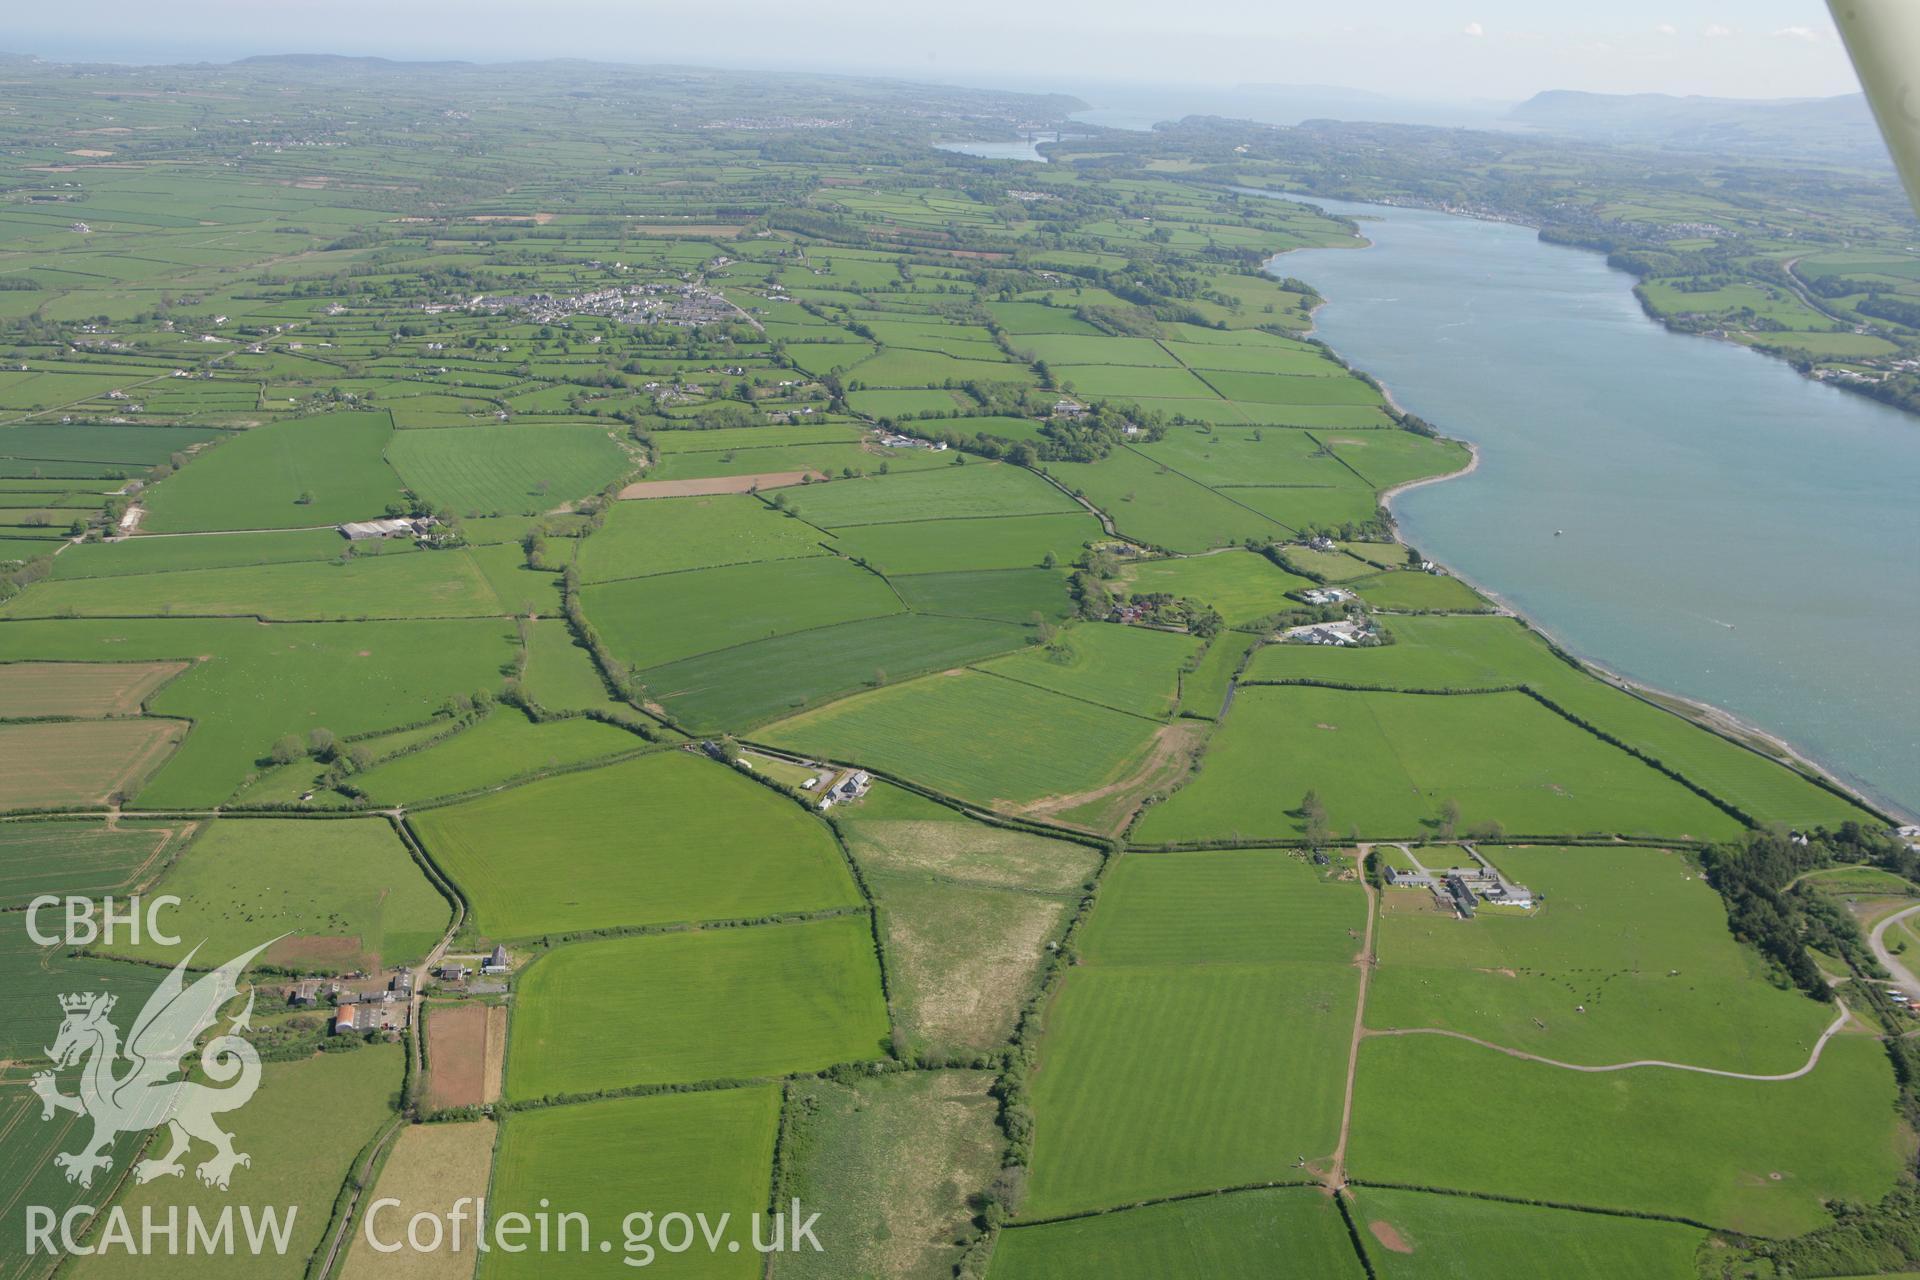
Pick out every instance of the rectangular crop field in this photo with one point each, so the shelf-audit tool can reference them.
(661, 839)
(674, 1008)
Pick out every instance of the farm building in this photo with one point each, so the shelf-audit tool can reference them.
(1462, 896)
(346, 1019)
(496, 961)
(368, 530)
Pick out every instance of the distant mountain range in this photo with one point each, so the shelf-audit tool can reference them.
(1837, 129)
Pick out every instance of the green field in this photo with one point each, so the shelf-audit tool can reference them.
(1628, 957)
(1243, 1236)
(938, 546)
(661, 839)
(1385, 763)
(650, 621)
(1649, 1140)
(504, 745)
(1127, 668)
(1239, 586)
(668, 535)
(1457, 1237)
(508, 470)
(285, 475)
(1158, 1073)
(973, 491)
(933, 730)
(690, 1153)
(672, 1008)
(345, 892)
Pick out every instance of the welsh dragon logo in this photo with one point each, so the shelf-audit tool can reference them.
(131, 1088)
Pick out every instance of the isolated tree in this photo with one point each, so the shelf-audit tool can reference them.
(286, 751)
(1315, 813)
(1449, 817)
(320, 744)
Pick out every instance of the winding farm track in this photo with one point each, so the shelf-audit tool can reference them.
(1813, 1059)
(1877, 939)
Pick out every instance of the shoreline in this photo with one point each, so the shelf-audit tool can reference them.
(1714, 719)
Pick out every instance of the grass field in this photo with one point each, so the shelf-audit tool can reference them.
(1131, 669)
(737, 687)
(890, 1164)
(507, 470)
(941, 546)
(1247, 1235)
(296, 1162)
(83, 689)
(1457, 1237)
(664, 838)
(974, 491)
(284, 475)
(1416, 592)
(1158, 1073)
(933, 729)
(432, 1166)
(690, 1153)
(1634, 939)
(504, 745)
(651, 621)
(1657, 1141)
(346, 891)
(444, 584)
(1385, 763)
(718, 1004)
(668, 535)
(1240, 585)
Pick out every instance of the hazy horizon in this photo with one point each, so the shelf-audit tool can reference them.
(1459, 51)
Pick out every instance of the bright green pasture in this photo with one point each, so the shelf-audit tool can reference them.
(1461, 1237)
(974, 736)
(649, 621)
(714, 1004)
(1127, 668)
(664, 838)
(1203, 691)
(935, 546)
(443, 584)
(252, 684)
(667, 535)
(1161, 1070)
(1240, 585)
(1414, 591)
(1385, 763)
(1753, 1156)
(748, 683)
(977, 489)
(1244, 1235)
(696, 1153)
(257, 479)
(346, 891)
(1009, 595)
(1389, 458)
(560, 674)
(158, 555)
(504, 745)
(1628, 957)
(1482, 653)
(1153, 504)
(507, 469)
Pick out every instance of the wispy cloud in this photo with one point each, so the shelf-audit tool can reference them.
(1717, 31)
(1666, 29)
(1811, 35)
(1473, 29)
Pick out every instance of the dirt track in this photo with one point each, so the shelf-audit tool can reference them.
(717, 484)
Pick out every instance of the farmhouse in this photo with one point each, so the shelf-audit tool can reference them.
(1328, 633)
(1462, 896)
(1327, 595)
(496, 961)
(367, 530)
(850, 786)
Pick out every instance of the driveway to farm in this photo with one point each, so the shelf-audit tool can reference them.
(1813, 1060)
(1877, 939)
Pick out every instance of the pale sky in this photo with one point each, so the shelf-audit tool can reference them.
(1439, 49)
